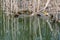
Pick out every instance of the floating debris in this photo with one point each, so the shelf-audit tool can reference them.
(16, 15)
(38, 15)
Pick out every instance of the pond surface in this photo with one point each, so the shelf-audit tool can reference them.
(28, 28)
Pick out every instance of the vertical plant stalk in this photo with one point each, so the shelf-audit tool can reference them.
(39, 29)
(35, 26)
(12, 26)
(24, 27)
(8, 31)
(17, 31)
(38, 8)
(12, 21)
(34, 4)
(15, 28)
(30, 26)
(50, 26)
(3, 20)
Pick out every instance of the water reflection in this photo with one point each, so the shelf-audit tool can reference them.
(29, 28)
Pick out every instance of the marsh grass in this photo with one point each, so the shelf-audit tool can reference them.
(29, 28)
